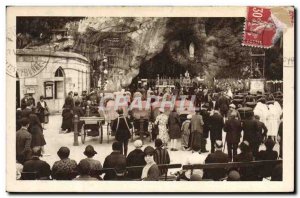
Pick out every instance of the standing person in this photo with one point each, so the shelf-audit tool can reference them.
(69, 102)
(223, 104)
(31, 99)
(273, 121)
(232, 108)
(186, 132)
(161, 155)
(65, 168)
(136, 158)
(36, 130)
(24, 101)
(150, 171)
(216, 157)
(233, 130)
(28, 110)
(122, 126)
(67, 119)
(42, 110)
(78, 110)
(205, 115)
(174, 129)
(23, 141)
(196, 130)
(115, 159)
(262, 130)
(162, 121)
(250, 128)
(216, 124)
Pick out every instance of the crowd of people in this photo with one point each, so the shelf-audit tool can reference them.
(215, 113)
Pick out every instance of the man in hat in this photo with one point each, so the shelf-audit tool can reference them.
(150, 171)
(41, 167)
(94, 164)
(216, 157)
(136, 158)
(216, 123)
(113, 160)
(233, 129)
(23, 141)
(65, 168)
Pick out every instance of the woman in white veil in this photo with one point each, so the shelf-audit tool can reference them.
(273, 121)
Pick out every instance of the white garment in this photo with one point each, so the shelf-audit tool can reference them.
(273, 121)
(146, 169)
(195, 158)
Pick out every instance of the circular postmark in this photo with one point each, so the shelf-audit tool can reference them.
(25, 63)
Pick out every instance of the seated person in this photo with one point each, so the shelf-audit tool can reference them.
(41, 167)
(116, 158)
(268, 154)
(65, 168)
(84, 169)
(233, 175)
(161, 155)
(94, 164)
(217, 157)
(136, 158)
(150, 171)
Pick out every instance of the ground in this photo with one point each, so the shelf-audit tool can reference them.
(55, 140)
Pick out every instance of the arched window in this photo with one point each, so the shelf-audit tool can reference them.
(59, 72)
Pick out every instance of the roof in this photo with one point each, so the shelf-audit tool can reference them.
(49, 53)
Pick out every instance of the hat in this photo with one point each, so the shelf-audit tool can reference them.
(89, 151)
(232, 105)
(138, 143)
(189, 116)
(269, 143)
(162, 110)
(218, 144)
(149, 150)
(233, 175)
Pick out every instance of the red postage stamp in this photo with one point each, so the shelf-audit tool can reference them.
(260, 29)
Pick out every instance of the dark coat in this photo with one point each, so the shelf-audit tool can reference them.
(135, 158)
(216, 124)
(122, 131)
(36, 165)
(113, 160)
(161, 156)
(197, 124)
(41, 111)
(67, 115)
(250, 128)
(23, 143)
(233, 130)
(223, 104)
(174, 126)
(24, 103)
(216, 157)
(37, 135)
(205, 116)
(262, 130)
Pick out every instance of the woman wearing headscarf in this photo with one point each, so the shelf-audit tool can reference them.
(162, 121)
